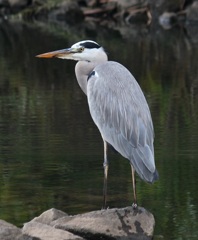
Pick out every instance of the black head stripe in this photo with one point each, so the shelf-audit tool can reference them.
(90, 75)
(90, 45)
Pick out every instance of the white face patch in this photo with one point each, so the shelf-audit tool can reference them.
(88, 51)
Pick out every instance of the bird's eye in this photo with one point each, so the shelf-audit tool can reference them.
(81, 49)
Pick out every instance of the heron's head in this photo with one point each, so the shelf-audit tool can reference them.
(87, 50)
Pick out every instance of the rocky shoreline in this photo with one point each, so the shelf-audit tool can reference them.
(105, 12)
(111, 224)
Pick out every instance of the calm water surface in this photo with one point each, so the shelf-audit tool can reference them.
(51, 153)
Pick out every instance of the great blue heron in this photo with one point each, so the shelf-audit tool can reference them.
(118, 108)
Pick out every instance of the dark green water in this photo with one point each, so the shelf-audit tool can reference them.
(51, 153)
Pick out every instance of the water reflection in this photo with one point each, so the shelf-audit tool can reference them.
(50, 150)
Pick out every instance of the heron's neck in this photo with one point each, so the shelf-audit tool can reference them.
(84, 68)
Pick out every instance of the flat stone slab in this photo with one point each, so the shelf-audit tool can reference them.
(45, 232)
(124, 223)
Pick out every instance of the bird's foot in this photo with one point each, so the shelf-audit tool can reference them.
(104, 208)
(134, 206)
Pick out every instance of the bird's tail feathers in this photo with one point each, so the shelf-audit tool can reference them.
(143, 161)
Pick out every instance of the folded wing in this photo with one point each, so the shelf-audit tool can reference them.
(120, 111)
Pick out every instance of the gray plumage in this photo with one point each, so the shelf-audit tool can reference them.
(121, 113)
(118, 108)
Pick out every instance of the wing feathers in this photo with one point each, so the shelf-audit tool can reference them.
(119, 109)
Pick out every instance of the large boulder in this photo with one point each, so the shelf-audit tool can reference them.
(125, 223)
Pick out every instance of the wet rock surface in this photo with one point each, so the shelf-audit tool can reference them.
(125, 223)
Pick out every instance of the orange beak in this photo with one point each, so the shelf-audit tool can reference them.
(64, 53)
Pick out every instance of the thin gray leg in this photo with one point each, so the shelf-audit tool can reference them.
(134, 205)
(106, 167)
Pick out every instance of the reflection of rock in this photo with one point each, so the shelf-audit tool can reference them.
(192, 20)
(3, 3)
(68, 11)
(158, 7)
(129, 3)
(132, 11)
(17, 5)
(192, 31)
(192, 12)
(168, 19)
(125, 223)
(166, 12)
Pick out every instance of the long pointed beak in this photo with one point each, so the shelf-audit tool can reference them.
(63, 53)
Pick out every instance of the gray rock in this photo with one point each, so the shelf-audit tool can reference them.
(117, 224)
(125, 223)
(10, 232)
(50, 215)
(45, 232)
(53, 224)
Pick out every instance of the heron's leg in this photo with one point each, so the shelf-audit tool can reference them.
(134, 205)
(106, 166)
